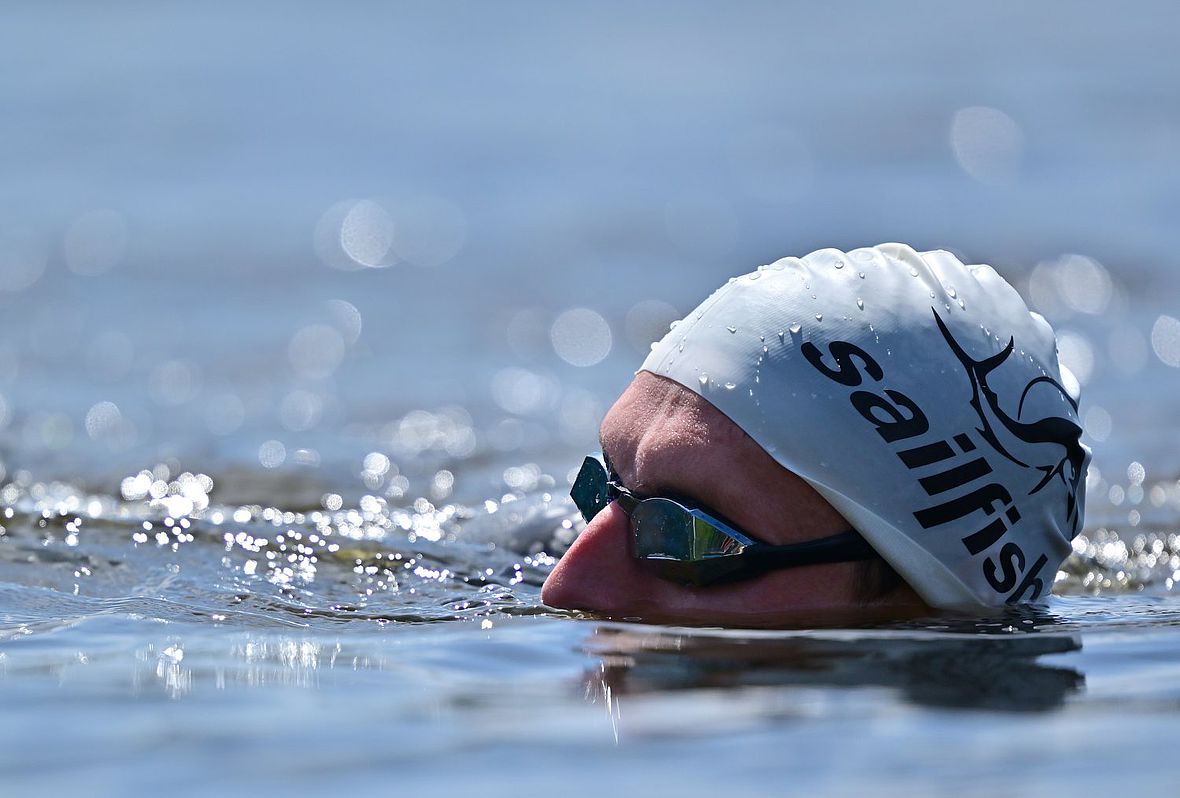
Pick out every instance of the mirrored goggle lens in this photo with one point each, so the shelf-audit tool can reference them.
(661, 529)
(591, 491)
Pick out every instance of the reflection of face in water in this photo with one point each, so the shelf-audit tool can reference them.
(977, 671)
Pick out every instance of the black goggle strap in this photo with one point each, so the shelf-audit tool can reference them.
(845, 547)
(626, 499)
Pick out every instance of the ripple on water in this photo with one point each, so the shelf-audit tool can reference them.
(391, 559)
(376, 561)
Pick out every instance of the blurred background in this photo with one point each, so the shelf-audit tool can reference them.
(419, 248)
(308, 309)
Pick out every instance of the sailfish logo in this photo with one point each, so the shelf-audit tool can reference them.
(1052, 444)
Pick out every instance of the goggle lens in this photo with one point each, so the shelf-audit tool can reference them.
(591, 489)
(664, 529)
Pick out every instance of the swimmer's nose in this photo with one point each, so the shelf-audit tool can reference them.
(597, 573)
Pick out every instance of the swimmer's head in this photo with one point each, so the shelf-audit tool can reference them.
(906, 395)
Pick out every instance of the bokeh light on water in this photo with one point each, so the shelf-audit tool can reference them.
(1165, 340)
(272, 454)
(1070, 284)
(422, 231)
(1074, 352)
(987, 144)
(581, 337)
(366, 234)
(346, 318)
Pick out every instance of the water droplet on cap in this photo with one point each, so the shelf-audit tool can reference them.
(913, 272)
(729, 386)
(732, 329)
(950, 289)
(962, 304)
(795, 328)
(860, 303)
(839, 264)
(819, 317)
(672, 325)
(703, 379)
(754, 275)
(861, 275)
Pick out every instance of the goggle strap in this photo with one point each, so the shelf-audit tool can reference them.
(845, 547)
(626, 499)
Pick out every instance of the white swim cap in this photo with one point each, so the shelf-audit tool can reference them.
(919, 396)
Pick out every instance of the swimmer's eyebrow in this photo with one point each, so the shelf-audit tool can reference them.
(610, 467)
(664, 492)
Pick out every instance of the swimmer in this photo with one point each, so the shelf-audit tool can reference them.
(862, 434)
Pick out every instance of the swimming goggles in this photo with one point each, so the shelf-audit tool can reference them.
(683, 543)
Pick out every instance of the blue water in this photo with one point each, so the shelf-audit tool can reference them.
(304, 272)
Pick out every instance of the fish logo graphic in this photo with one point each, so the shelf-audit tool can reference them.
(1050, 445)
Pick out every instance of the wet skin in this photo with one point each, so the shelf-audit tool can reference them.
(661, 439)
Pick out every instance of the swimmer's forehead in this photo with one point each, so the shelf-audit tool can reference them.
(663, 439)
(659, 432)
